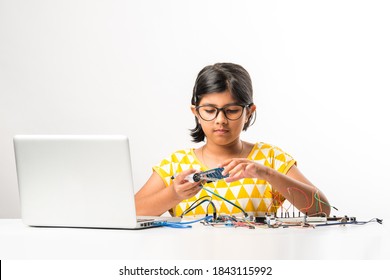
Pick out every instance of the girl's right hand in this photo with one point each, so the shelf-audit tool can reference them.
(184, 189)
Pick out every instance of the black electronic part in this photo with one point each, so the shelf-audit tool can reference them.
(196, 177)
(260, 220)
(209, 176)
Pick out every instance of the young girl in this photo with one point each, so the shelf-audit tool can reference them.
(260, 176)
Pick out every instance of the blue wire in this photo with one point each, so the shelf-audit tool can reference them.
(182, 224)
(174, 225)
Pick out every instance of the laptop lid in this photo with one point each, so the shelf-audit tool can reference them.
(76, 181)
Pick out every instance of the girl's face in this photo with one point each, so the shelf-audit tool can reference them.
(222, 130)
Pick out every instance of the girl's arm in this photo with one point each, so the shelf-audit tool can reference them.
(300, 191)
(293, 186)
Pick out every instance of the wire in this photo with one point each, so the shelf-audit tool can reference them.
(323, 202)
(191, 207)
(228, 201)
(306, 197)
(182, 224)
(276, 196)
(315, 198)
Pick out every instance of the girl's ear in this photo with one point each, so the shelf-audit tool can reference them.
(251, 116)
(193, 109)
(252, 109)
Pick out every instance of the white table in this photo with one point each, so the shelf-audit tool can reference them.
(352, 242)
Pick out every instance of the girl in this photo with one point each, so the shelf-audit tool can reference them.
(260, 176)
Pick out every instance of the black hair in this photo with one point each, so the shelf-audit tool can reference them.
(219, 78)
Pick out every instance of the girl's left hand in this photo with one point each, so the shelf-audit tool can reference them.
(239, 168)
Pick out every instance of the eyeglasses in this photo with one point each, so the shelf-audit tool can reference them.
(231, 112)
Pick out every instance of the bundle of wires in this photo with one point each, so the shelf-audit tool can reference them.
(228, 201)
(199, 202)
(194, 205)
(207, 218)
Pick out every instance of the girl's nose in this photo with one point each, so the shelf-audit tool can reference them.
(221, 117)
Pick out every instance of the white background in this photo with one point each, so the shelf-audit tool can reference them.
(320, 72)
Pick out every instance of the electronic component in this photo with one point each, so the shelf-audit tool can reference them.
(272, 221)
(211, 175)
(303, 219)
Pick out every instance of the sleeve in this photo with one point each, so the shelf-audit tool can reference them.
(282, 161)
(165, 170)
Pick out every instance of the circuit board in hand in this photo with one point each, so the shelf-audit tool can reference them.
(211, 175)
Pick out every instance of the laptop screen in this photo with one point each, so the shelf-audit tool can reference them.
(75, 180)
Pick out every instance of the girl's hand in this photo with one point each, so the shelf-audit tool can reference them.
(184, 189)
(239, 168)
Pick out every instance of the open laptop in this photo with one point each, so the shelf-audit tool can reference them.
(78, 181)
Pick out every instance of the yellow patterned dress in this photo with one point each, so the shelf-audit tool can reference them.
(254, 195)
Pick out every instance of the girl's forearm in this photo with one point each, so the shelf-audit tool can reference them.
(304, 196)
(156, 203)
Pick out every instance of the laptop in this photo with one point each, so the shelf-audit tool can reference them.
(78, 181)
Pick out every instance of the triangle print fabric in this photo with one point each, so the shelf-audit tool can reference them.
(254, 195)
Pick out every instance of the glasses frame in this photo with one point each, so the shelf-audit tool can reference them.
(223, 110)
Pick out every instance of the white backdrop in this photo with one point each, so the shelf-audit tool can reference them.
(320, 71)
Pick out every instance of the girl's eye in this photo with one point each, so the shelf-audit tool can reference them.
(232, 111)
